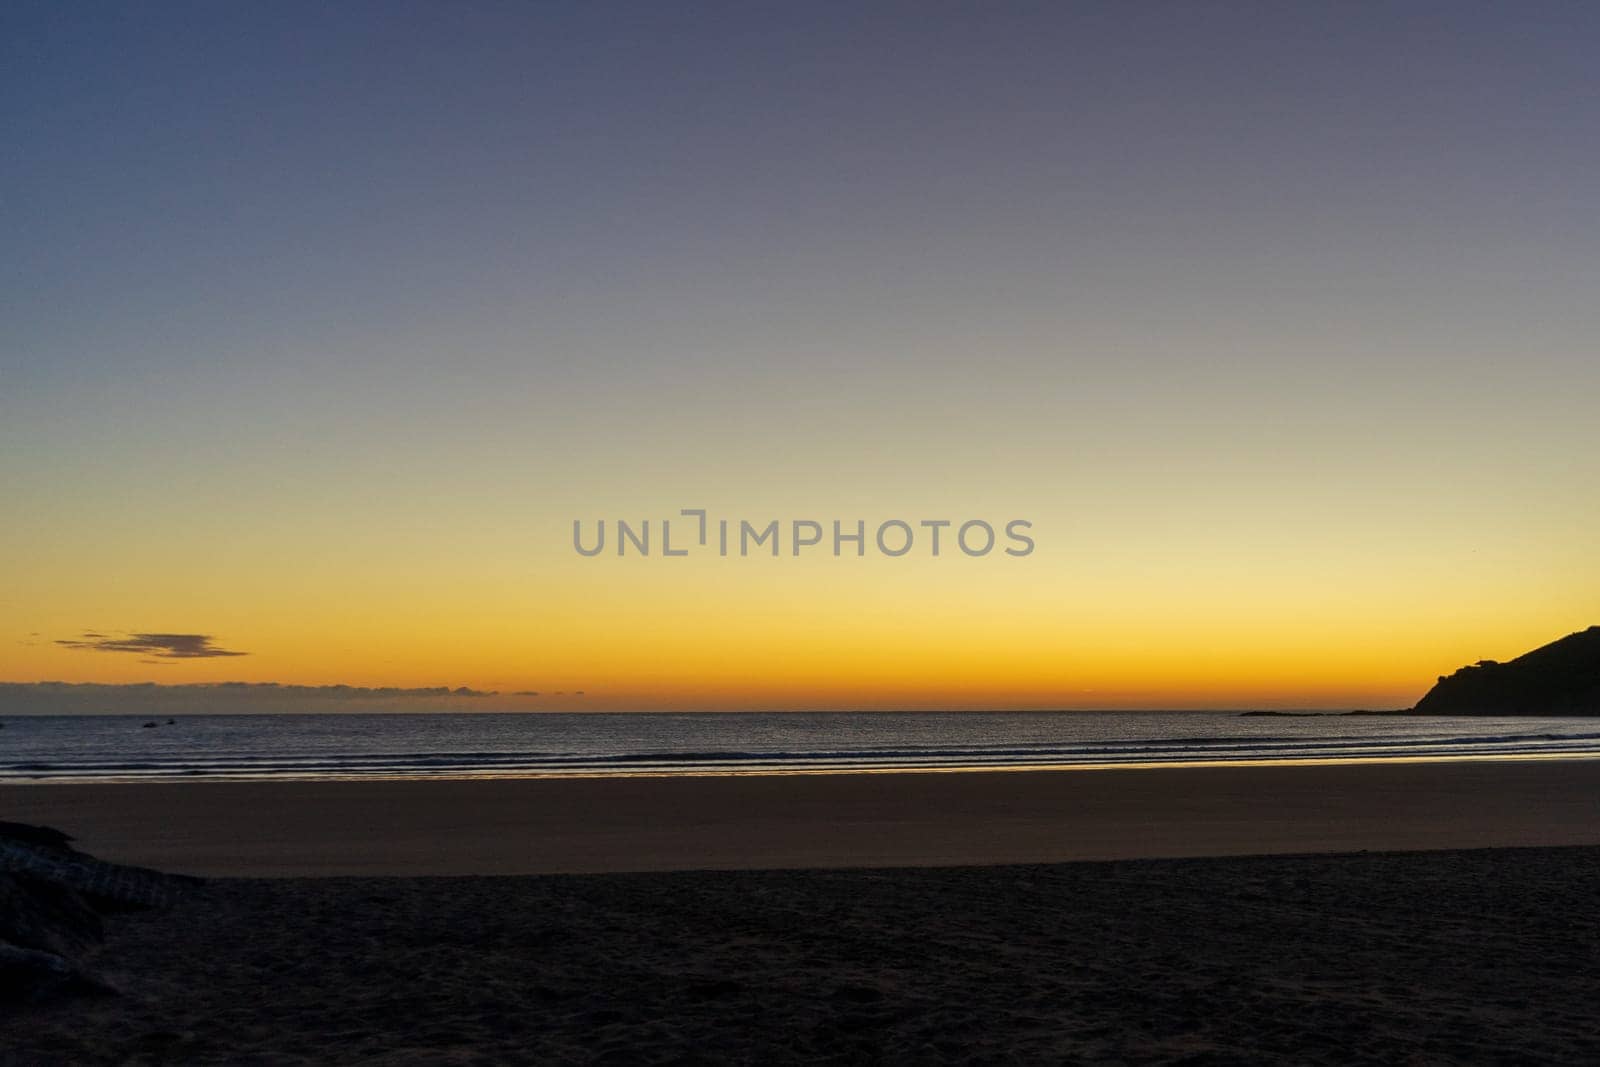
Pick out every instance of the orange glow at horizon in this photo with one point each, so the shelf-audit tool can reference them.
(786, 634)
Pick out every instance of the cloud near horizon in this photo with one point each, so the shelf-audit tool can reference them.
(155, 646)
(150, 698)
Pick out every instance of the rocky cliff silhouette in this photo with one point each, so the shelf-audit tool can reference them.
(1561, 678)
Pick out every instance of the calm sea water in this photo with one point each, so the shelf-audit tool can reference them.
(474, 745)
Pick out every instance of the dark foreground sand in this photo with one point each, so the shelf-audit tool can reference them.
(836, 820)
(1440, 957)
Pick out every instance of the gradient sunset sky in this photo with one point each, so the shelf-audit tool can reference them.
(320, 324)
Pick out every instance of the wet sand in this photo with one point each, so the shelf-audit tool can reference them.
(294, 829)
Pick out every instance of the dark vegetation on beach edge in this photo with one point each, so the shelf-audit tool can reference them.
(54, 901)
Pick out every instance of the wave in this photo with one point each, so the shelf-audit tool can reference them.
(330, 747)
(512, 765)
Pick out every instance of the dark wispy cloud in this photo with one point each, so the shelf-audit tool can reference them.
(152, 646)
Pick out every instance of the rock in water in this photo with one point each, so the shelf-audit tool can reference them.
(1561, 678)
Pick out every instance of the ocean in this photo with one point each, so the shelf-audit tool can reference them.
(474, 745)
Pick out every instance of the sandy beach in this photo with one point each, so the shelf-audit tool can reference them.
(848, 918)
(1437, 957)
(552, 826)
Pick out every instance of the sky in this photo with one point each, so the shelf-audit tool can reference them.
(320, 325)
